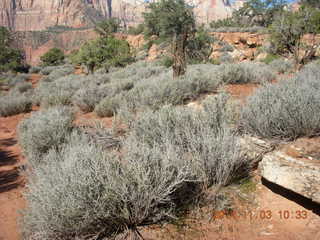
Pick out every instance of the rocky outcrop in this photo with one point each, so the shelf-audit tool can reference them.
(35, 15)
(295, 167)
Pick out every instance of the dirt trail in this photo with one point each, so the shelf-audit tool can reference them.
(11, 183)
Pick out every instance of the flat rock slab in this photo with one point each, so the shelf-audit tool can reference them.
(298, 173)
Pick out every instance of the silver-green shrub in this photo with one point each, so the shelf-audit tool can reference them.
(201, 137)
(57, 72)
(58, 92)
(44, 130)
(282, 65)
(162, 90)
(21, 87)
(286, 110)
(12, 104)
(19, 78)
(246, 72)
(168, 159)
(35, 69)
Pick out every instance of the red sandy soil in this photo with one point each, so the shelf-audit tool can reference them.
(11, 184)
(241, 91)
(34, 79)
(264, 220)
(266, 199)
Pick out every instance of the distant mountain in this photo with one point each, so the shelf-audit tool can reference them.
(32, 15)
(35, 15)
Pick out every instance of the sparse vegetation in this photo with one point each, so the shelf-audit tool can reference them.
(282, 65)
(176, 134)
(57, 72)
(166, 161)
(13, 104)
(285, 110)
(58, 92)
(44, 130)
(245, 73)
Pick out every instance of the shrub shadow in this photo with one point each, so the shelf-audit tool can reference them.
(295, 197)
(9, 180)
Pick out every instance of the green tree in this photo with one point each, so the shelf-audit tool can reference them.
(288, 30)
(104, 52)
(173, 19)
(10, 58)
(107, 27)
(53, 57)
(199, 47)
(259, 12)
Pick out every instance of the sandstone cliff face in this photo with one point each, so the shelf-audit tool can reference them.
(205, 10)
(35, 15)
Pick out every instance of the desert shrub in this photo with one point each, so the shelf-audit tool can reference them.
(166, 61)
(284, 110)
(222, 110)
(19, 78)
(47, 70)
(21, 87)
(225, 57)
(87, 98)
(270, 58)
(225, 47)
(106, 108)
(253, 29)
(282, 65)
(59, 92)
(72, 89)
(311, 70)
(200, 139)
(53, 57)
(59, 72)
(245, 73)
(44, 130)
(215, 61)
(169, 157)
(137, 71)
(35, 69)
(14, 104)
(113, 197)
(163, 89)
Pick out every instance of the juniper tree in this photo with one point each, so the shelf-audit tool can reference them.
(173, 19)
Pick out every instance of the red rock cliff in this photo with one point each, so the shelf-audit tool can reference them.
(35, 15)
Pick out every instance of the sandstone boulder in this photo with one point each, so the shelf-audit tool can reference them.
(293, 170)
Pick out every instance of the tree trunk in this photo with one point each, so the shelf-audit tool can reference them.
(91, 68)
(179, 54)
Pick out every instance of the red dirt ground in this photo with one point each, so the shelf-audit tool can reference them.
(11, 184)
(265, 198)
